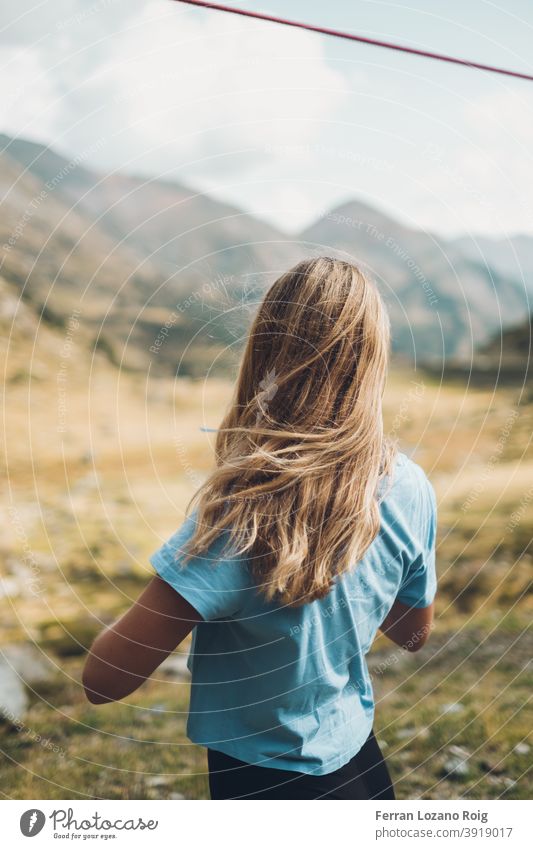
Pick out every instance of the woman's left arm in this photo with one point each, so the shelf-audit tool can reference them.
(124, 655)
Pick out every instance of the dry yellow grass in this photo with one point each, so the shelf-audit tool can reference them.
(91, 503)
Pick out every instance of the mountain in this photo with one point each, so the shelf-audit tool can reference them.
(134, 256)
(443, 301)
(168, 278)
(512, 257)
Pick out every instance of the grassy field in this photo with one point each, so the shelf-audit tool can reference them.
(89, 502)
(468, 691)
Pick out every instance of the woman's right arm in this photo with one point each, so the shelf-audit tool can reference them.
(408, 627)
(124, 655)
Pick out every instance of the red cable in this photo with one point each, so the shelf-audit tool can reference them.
(389, 45)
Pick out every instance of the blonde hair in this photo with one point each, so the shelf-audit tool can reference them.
(301, 450)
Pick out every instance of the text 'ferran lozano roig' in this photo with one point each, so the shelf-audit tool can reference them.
(438, 816)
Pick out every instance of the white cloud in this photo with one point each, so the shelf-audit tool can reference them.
(256, 114)
(178, 86)
(503, 162)
(214, 100)
(27, 94)
(477, 182)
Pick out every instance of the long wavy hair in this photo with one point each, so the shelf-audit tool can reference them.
(301, 451)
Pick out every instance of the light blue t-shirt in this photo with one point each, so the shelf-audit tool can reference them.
(289, 687)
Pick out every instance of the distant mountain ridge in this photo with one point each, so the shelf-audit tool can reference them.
(148, 260)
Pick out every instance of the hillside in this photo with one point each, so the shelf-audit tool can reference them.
(167, 278)
(442, 301)
(131, 255)
(510, 352)
(512, 257)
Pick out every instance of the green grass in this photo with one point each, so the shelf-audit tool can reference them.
(130, 750)
(489, 675)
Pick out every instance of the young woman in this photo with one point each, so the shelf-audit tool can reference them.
(311, 533)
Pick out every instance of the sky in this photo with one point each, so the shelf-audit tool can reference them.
(286, 123)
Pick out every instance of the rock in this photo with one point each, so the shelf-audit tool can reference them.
(25, 578)
(175, 666)
(20, 664)
(405, 733)
(455, 768)
(459, 752)
(411, 733)
(29, 663)
(452, 707)
(159, 780)
(9, 588)
(13, 697)
(456, 764)
(521, 748)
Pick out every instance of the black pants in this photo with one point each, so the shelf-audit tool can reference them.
(364, 777)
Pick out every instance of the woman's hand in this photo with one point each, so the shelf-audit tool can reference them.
(124, 655)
